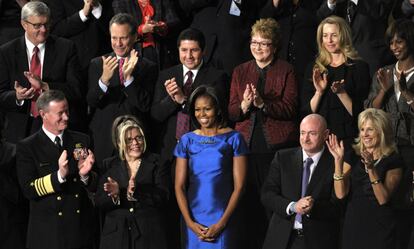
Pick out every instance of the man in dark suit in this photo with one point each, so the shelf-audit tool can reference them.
(172, 90)
(119, 83)
(35, 63)
(299, 192)
(226, 24)
(54, 172)
(171, 95)
(368, 20)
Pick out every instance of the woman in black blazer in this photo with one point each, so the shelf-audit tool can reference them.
(132, 191)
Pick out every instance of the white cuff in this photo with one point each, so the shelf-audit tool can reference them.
(82, 16)
(103, 87)
(97, 11)
(60, 178)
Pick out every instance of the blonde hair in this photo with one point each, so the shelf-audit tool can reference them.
(267, 28)
(382, 125)
(345, 43)
(121, 126)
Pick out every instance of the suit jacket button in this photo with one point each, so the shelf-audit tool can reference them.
(75, 179)
(76, 196)
(58, 198)
(60, 213)
(131, 210)
(78, 211)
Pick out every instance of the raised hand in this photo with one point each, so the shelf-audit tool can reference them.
(129, 64)
(23, 93)
(336, 148)
(257, 99)
(320, 80)
(87, 7)
(338, 86)
(85, 165)
(35, 81)
(111, 187)
(248, 98)
(149, 25)
(108, 67)
(367, 158)
(384, 78)
(63, 164)
(175, 92)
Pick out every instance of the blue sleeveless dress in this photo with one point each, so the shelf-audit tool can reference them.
(210, 184)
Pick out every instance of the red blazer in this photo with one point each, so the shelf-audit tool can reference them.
(280, 101)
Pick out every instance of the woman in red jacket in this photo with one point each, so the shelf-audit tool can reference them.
(263, 104)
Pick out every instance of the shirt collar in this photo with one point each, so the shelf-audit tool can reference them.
(315, 157)
(52, 136)
(355, 2)
(194, 71)
(30, 45)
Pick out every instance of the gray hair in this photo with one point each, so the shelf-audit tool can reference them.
(45, 98)
(34, 8)
(124, 18)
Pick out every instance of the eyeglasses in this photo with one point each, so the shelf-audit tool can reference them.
(138, 139)
(38, 26)
(260, 44)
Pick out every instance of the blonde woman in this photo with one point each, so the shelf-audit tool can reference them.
(337, 83)
(368, 176)
(132, 191)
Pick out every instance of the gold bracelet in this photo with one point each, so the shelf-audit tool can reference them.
(375, 182)
(338, 178)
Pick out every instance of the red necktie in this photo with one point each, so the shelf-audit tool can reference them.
(36, 69)
(183, 119)
(121, 71)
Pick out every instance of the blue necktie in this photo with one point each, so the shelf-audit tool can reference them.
(305, 180)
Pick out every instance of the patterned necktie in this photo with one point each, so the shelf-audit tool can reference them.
(36, 69)
(121, 71)
(183, 119)
(188, 83)
(305, 180)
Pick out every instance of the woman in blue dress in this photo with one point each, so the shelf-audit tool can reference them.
(210, 174)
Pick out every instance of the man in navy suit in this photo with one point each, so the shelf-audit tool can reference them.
(32, 64)
(55, 180)
(120, 83)
(299, 192)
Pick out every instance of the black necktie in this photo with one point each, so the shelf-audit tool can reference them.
(58, 142)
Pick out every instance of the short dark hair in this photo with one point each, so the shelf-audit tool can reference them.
(124, 18)
(45, 98)
(215, 96)
(403, 29)
(192, 34)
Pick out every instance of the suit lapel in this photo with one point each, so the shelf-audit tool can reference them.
(49, 59)
(22, 63)
(179, 78)
(200, 76)
(297, 169)
(321, 169)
